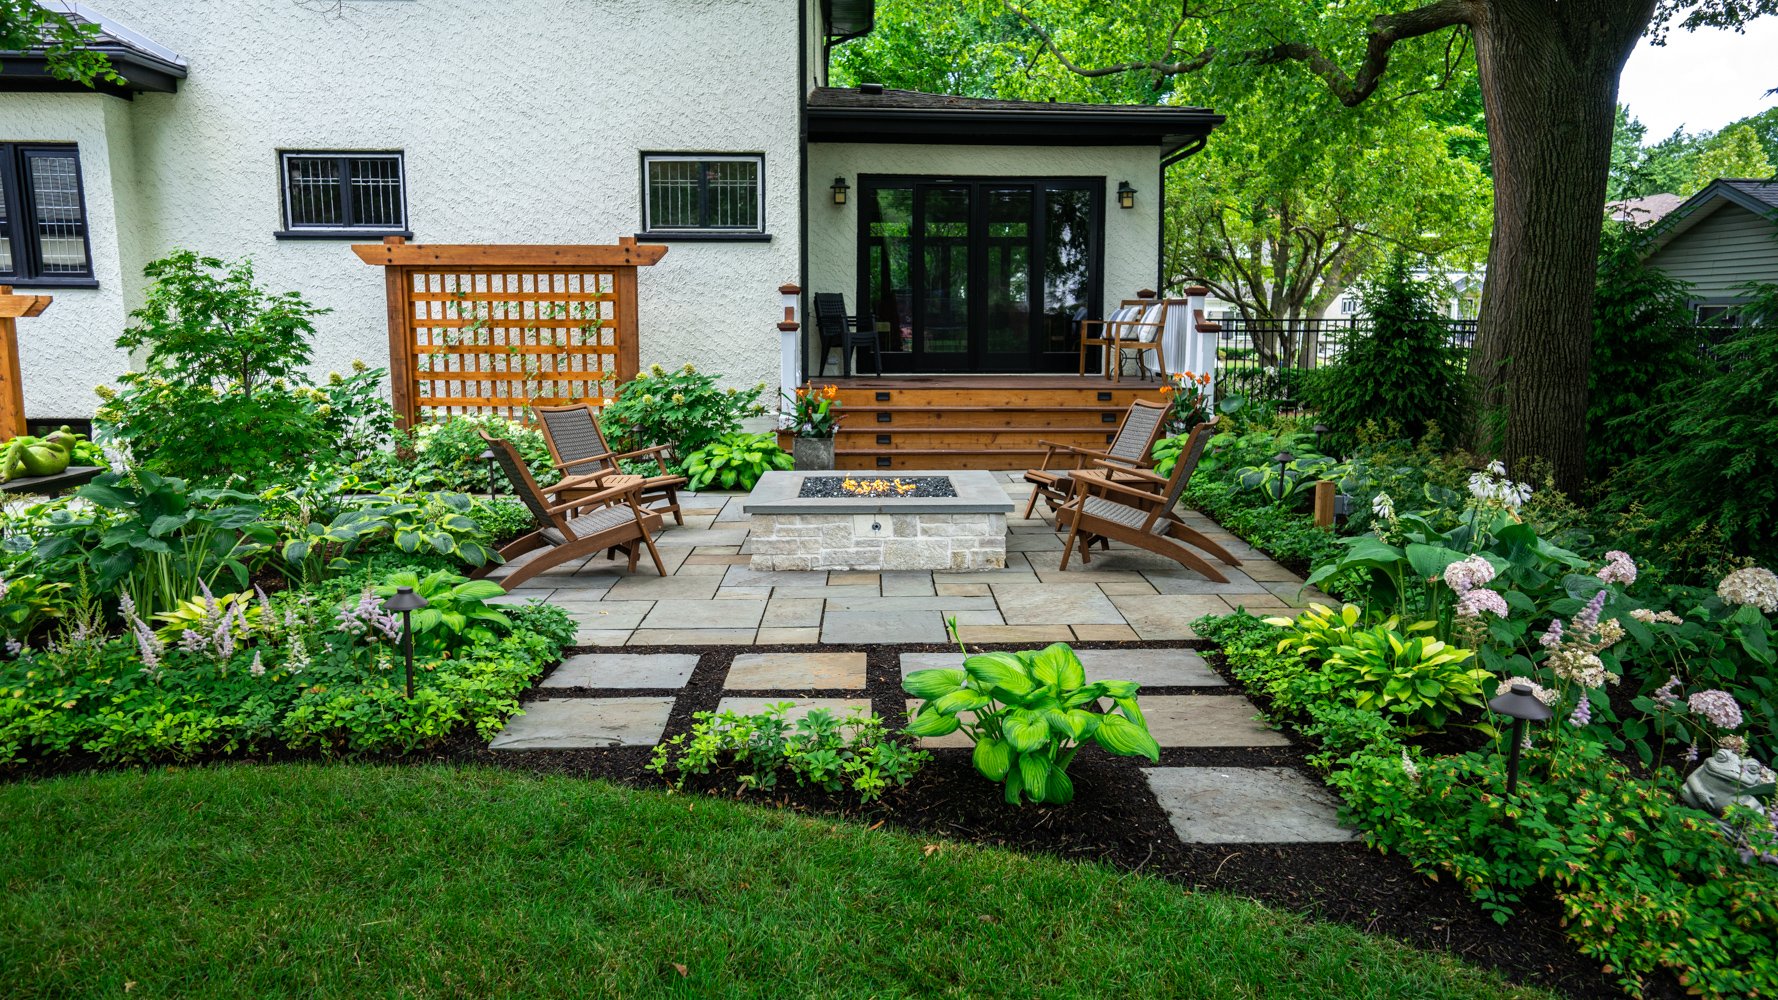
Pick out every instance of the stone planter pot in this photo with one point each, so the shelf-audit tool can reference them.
(812, 454)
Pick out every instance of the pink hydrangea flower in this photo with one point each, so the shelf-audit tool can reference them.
(1618, 568)
(1474, 602)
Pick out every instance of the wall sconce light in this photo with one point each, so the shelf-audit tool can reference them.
(1126, 195)
(839, 190)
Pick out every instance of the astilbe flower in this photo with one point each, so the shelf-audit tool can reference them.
(1753, 587)
(1618, 568)
(297, 659)
(148, 645)
(1408, 767)
(1466, 575)
(367, 618)
(1667, 696)
(257, 668)
(1552, 636)
(1582, 714)
(1691, 754)
(1718, 707)
(14, 647)
(1475, 602)
(1586, 621)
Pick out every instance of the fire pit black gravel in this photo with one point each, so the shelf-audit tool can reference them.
(877, 486)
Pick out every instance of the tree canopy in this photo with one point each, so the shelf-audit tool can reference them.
(24, 25)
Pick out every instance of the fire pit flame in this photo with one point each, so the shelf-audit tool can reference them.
(877, 487)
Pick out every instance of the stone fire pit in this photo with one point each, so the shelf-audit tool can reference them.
(798, 524)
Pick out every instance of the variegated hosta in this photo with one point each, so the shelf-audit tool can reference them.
(1029, 712)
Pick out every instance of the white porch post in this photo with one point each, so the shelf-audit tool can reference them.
(1200, 337)
(790, 340)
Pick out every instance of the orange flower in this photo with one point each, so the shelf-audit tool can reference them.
(1166, 390)
(831, 392)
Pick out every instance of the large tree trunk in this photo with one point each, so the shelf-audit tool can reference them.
(1549, 75)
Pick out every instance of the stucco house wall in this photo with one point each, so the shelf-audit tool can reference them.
(69, 350)
(1131, 235)
(521, 128)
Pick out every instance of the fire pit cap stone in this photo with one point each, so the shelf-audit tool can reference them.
(978, 492)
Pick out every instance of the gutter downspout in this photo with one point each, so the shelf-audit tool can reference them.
(1168, 158)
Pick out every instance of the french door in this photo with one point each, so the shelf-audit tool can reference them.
(980, 274)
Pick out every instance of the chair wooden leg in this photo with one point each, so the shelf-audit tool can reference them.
(1033, 504)
(1072, 534)
(654, 553)
(1186, 533)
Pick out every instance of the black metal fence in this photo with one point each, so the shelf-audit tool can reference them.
(1267, 358)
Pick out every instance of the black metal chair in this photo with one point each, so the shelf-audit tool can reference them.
(848, 333)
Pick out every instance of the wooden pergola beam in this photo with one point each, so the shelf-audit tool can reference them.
(12, 390)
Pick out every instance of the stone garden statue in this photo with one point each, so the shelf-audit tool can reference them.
(1727, 777)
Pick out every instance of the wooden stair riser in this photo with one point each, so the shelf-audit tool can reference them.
(932, 439)
(990, 399)
(900, 461)
(870, 419)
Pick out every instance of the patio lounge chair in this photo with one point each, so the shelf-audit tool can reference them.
(1136, 325)
(577, 443)
(848, 333)
(1137, 434)
(609, 518)
(1103, 509)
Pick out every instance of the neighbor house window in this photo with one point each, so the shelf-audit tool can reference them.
(351, 194)
(42, 216)
(703, 193)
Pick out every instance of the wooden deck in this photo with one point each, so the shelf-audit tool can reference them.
(975, 421)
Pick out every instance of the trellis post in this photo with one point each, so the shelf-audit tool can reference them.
(12, 390)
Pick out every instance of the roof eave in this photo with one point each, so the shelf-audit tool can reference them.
(1699, 207)
(142, 73)
(1173, 129)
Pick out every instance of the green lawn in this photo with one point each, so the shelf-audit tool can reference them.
(368, 881)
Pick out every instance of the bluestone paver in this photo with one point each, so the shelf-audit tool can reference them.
(569, 723)
(795, 671)
(623, 670)
(1246, 805)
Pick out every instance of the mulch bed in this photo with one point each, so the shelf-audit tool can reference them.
(1114, 819)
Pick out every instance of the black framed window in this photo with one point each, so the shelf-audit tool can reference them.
(704, 193)
(347, 194)
(43, 228)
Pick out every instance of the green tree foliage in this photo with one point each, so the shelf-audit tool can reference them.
(1643, 343)
(24, 25)
(1401, 372)
(1733, 152)
(1712, 463)
(1684, 163)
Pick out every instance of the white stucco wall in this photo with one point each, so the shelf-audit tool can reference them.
(68, 350)
(521, 123)
(1130, 234)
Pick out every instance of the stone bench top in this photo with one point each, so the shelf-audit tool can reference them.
(978, 492)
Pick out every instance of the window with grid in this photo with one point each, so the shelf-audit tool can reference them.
(703, 192)
(344, 192)
(43, 237)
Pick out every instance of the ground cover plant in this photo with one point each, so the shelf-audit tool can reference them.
(853, 752)
(236, 880)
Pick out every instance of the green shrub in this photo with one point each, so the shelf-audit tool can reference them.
(1029, 712)
(1712, 457)
(1644, 346)
(819, 749)
(447, 455)
(735, 461)
(1401, 370)
(220, 397)
(682, 408)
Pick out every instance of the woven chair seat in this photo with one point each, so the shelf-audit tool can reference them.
(1117, 513)
(592, 523)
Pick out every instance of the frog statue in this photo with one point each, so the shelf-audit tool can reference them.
(1727, 777)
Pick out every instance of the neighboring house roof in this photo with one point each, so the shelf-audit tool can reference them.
(1757, 196)
(871, 113)
(1644, 211)
(145, 64)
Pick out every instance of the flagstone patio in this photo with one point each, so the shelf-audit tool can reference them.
(713, 597)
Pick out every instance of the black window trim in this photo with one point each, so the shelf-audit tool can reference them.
(21, 213)
(348, 231)
(709, 234)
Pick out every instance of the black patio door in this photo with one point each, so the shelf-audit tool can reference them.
(979, 275)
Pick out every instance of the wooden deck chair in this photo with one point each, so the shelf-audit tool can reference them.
(609, 519)
(1135, 437)
(1136, 325)
(1104, 509)
(577, 443)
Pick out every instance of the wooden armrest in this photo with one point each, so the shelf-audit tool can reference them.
(610, 492)
(1113, 465)
(603, 456)
(1098, 482)
(588, 481)
(638, 453)
(1076, 449)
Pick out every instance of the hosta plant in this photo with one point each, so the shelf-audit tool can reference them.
(1028, 713)
(735, 461)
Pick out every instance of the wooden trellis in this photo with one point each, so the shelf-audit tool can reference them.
(487, 329)
(12, 390)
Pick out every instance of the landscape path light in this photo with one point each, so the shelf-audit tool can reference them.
(1520, 705)
(1283, 458)
(493, 471)
(407, 602)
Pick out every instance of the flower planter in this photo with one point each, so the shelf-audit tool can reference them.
(812, 454)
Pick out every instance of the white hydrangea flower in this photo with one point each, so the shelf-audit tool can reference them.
(1754, 586)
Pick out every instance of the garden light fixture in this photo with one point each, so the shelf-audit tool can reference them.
(493, 471)
(1126, 195)
(840, 187)
(1320, 429)
(1283, 458)
(407, 602)
(1521, 706)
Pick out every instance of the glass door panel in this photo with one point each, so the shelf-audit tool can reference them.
(888, 262)
(943, 214)
(1006, 285)
(1067, 268)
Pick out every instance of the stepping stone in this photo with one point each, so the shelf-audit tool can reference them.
(795, 671)
(623, 670)
(787, 635)
(691, 637)
(607, 614)
(799, 707)
(573, 723)
(1217, 720)
(870, 626)
(1104, 633)
(1167, 616)
(1246, 805)
(1055, 604)
(737, 613)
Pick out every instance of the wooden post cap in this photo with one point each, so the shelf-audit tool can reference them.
(789, 290)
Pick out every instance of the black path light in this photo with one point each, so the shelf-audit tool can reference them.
(1283, 458)
(407, 602)
(493, 472)
(1520, 705)
(1319, 430)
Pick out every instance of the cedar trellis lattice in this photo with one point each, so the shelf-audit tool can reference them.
(486, 329)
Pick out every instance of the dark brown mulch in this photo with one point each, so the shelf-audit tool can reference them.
(1115, 820)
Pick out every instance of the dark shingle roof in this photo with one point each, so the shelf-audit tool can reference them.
(143, 63)
(869, 114)
(1762, 191)
(913, 100)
